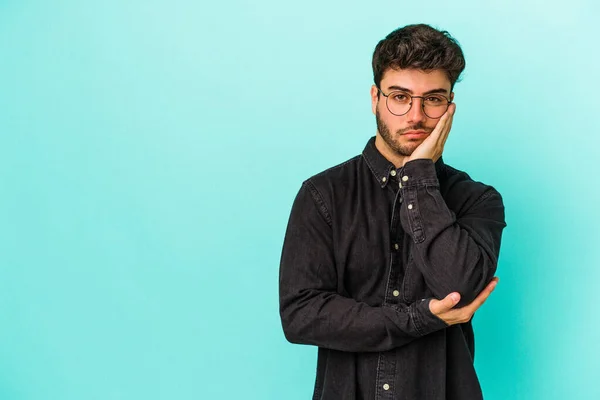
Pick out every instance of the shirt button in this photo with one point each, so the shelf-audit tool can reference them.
(396, 246)
(386, 386)
(404, 178)
(384, 179)
(410, 206)
(396, 293)
(393, 172)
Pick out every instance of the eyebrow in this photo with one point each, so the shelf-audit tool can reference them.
(439, 90)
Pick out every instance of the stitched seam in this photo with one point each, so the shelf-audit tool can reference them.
(417, 322)
(419, 219)
(484, 196)
(371, 168)
(339, 165)
(318, 198)
(415, 221)
(384, 304)
(424, 182)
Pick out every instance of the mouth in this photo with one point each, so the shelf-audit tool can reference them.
(415, 134)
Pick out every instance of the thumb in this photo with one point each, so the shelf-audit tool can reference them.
(440, 306)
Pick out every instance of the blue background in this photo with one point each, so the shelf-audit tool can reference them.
(150, 152)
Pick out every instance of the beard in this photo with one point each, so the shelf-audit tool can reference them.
(403, 150)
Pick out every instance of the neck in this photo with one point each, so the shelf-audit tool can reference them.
(391, 155)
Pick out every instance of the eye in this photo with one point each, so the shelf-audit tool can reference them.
(400, 97)
(434, 99)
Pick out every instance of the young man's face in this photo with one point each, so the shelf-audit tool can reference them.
(402, 134)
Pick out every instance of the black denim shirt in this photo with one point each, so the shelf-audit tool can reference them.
(366, 247)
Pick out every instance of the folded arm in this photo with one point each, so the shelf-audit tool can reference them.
(311, 310)
(453, 254)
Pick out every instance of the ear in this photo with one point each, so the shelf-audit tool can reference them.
(452, 96)
(374, 98)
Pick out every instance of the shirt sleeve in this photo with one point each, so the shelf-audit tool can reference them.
(311, 310)
(454, 254)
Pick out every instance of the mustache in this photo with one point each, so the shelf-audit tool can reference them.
(418, 127)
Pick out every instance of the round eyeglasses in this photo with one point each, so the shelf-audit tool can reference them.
(399, 103)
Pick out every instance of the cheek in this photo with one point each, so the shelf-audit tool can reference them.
(395, 123)
(384, 116)
(395, 126)
(430, 124)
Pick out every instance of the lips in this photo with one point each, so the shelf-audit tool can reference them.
(415, 134)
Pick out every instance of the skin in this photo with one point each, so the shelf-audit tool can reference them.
(444, 309)
(392, 142)
(390, 139)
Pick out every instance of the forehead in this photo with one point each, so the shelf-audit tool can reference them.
(417, 80)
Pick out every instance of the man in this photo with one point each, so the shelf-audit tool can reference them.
(387, 256)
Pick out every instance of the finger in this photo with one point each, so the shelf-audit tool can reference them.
(445, 134)
(447, 303)
(444, 126)
(483, 296)
(448, 125)
(439, 127)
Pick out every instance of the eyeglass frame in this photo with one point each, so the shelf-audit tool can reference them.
(411, 102)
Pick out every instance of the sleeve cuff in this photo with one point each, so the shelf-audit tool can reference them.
(425, 321)
(418, 172)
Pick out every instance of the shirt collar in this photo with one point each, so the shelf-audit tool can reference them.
(381, 167)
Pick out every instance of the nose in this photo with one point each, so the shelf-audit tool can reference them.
(416, 114)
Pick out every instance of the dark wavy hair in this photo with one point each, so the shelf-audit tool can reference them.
(419, 46)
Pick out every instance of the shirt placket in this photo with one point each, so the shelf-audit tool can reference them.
(386, 365)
